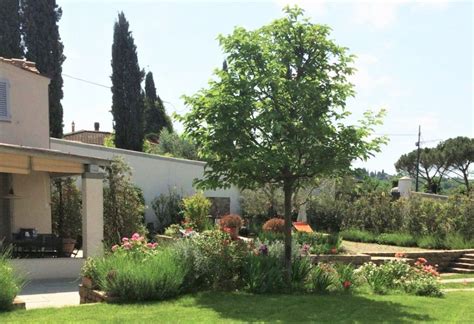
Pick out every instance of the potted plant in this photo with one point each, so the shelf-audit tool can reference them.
(231, 223)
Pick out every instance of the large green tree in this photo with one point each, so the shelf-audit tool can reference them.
(459, 155)
(43, 45)
(127, 96)
(155, 114)
(277, 115)
(432, 169)
(10, 29)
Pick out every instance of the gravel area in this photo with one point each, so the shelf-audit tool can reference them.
(358, 247)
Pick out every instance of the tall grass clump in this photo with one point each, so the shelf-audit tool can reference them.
(357, 235)
(10, 282)
(157, 277)
(398, 239)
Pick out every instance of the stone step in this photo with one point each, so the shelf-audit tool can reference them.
(462, 265)
(466, 260)
(460, 270)
(468, 255)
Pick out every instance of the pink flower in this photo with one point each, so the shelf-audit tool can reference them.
(135, 237)
(114, 248)
(127, 245)
(149, 245)
(125, 239)
(155, 245)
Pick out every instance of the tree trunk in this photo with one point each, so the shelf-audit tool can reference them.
(288, 190)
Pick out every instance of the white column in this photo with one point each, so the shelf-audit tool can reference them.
(92, 214)
(302, 217)
(404, 186)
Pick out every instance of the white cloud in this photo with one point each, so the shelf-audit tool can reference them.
(379, 14)
(382, 14)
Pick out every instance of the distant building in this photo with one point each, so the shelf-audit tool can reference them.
(96, 136)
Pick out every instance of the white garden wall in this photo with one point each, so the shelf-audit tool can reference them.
(154, 174)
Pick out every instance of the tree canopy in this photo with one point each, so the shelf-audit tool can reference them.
(44, 47)
(10, 29)
(127, 96)
(277, 113)
(450, 158)
(155, 114)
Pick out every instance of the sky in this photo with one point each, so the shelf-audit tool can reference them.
(414, 58)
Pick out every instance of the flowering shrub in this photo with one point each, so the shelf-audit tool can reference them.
(317, 243)
(420, 279)
(231, 221)
(274, 225)
(136, 246)
(220, 259)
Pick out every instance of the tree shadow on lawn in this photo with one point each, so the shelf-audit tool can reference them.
(305, 308)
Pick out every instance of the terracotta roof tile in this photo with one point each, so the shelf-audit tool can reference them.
(22, 64)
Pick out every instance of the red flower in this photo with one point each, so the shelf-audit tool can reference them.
(347, 284)
(333, 250)
(400, 255)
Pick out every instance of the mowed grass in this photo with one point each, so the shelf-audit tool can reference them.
(240, 307)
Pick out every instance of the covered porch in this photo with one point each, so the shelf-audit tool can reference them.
(26, 225)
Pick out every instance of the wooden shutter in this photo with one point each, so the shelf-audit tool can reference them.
(4, 100)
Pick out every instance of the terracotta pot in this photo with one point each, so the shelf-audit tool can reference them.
(68, 246)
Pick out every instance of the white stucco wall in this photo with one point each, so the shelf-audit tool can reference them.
(28, 94)
(33, 210)
(152, 173)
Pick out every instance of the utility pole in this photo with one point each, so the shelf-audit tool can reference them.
(418, 157)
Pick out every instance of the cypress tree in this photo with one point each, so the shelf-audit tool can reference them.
(127, 95)
(155, 113)
(43, 46)
(10, 36)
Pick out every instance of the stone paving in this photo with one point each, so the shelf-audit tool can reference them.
(50, 293)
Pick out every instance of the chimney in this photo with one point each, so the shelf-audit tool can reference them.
(96, 126)
(73, 127)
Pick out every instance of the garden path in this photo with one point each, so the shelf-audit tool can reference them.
(50, 293)
(359, 247)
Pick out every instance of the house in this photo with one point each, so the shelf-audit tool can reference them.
(28, 164)
(96, 136)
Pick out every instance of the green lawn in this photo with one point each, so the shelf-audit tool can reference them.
(457, 276)
(238, 307)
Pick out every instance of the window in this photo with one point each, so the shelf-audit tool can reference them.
(4, 100)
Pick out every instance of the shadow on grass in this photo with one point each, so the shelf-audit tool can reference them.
(304, 308)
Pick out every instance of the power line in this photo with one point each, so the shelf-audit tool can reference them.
(86, 81)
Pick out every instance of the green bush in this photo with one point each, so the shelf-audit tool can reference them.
(267, 236)
(420, 279)
(347, 276)
(398, 239)
(168, 209)
(123, 207)
(323, 278)
(263, 274)
(300, 270)
(10, 281)
(456, 241)
(160, 277)
(357, 235)
(220, 260)
(196, 210)
(430, 242)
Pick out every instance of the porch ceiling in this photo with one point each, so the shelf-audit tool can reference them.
(23, 160)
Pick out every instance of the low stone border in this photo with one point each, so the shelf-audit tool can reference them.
(90, 295)
(442, 258)
(357, 259)
(18, 304)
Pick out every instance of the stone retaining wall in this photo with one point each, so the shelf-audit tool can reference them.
(356, 260)
(441, 258)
